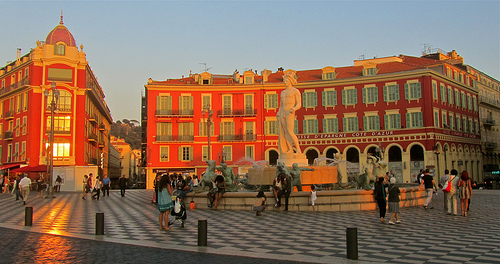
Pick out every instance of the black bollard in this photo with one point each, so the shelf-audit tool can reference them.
(352, 243)
(99, 224)
(28, 216)
(202, 233)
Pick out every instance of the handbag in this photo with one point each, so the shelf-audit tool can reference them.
(447, 186)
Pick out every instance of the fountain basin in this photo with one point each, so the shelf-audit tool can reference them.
(320, 175)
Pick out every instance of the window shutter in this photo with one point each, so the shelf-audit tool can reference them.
(344, 124)
(325, 127)
(180, 153)
(419, 90)
(397, 91)
(377, 123)
(376, 95)
(323, 98)
(265, 101)
(316, 126)
(398, 121)
(364, 95)
(266, 127)
(276, 128)
(200, 126)
(365, 123)
(304, 99)
(221, 128)
(315, 94)
(408, 124)
(407, 92)
(386, 122)
(335, 125)
(355, 94)
(334, 97)
(385, 94)
(420, 119)
(296, 126)
(343, 97)
(356, 125)
(304, 127)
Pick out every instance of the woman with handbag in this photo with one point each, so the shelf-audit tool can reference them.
(465, 192)
(453, 193)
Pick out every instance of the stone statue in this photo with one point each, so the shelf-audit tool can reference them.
(228, 173)
(208, 176)
(281, 168)
(295, 173)
(290, 102)
(366, 175)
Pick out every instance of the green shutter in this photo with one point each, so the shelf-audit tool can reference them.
(343, 97)
(376, 94)
(335, 125)
(355, 94)
(386, 122)
(377, 123)
(316, 126)
(191, 153)
(296, 126)
(305, 128)
(365, 123)
(266, 99)
(407, 92)
(420, 119)
(200, 128)
(323, 98)
(364, 95)
(344, 124)
(408, 124)
(315, 94)
(385, 94)
(356, 124)
(325, 130)
(419, 90)
(397, 92)
(266, 127)
(398, 121)
(304, 99)
(334, 97)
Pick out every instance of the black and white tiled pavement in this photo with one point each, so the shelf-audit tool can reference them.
(424, 236)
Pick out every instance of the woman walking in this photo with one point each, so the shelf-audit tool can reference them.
(465, 192)
(453, 194)
(379, 195)
(165, 203)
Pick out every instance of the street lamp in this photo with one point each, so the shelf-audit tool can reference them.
(210, 113)
(50, 148)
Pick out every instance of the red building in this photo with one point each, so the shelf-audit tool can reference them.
(421, 112)
(82, 119)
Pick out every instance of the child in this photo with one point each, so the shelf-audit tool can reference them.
(260, 203)
(394, 193)
(313, 196)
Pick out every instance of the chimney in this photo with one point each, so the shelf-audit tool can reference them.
(18, 54)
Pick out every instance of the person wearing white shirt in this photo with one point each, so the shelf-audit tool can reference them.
(25, 185)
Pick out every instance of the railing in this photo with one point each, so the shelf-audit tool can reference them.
(237, 112)
(8, 135)
(93, 161)
(490, 145)
(240, 137)
(9, 115)
(488, 122)
(92, 137)
(93, 118)
(489, 101)
(21, 83)
(174, 112)
(174, 138)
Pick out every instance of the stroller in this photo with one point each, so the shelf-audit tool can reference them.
(179, 211)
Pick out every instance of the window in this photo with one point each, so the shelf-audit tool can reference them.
(434, 90)
(63, 75)
(414, 118)
(203, 126)
(369, 71)
(471, 126)
(62, 124)
(204, 153)
(465, 124)
(61, 148)
(469, 102)
(309, 99)
(476, 125)
(9, 153)
(64, 103)
(59, 49)
(164, 131)
(310, 125)
(474, 101)
(249, 134)
(413, 91)
(370, 95)
(329, 98)
(16, 152)
(227, 104)
(371, 122)
(444, 93)
(450, 96)
(452, 121)
(186, 131)
(185, 153)
(164, 153)
(329, 76)
(392, 121)
(330, 125)
(249, 104)
(270, 101)
(458, 123)
(391, 93)
(464, 100)
(164, 105)
(185, 105)
(22, 155)
(228, 152)
(349, 96)
(271, 127)
(249, 80)
(226, 128)
(206, 101)
(436, 118)
(350, 124)
(444, 119)
(18, 103)
(249, 152)
(17, 127)
(457, 98)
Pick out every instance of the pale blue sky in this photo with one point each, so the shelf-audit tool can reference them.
(127, 42)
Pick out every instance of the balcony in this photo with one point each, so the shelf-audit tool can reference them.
(8, 135)
(488, 122)
(23, 82)
(174, 113)
(92, 137)
(102, 127)
(237, 112)
(485, 100)
(488, 145)
(174, 138)
(93, 118)
(237, 138)
(93, 161)
(9, 115)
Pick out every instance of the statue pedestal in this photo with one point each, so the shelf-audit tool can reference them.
(290, 158)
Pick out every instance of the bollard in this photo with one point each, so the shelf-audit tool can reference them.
(202, 233)
(28, 216)
(99, 224)
(352, 243)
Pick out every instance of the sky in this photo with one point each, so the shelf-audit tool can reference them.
(128, 42)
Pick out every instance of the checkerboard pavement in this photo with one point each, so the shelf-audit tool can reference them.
(424, 236)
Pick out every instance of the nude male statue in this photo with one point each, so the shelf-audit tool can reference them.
(295, 173)
(290, 102)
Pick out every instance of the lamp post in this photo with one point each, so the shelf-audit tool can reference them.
(207, 110)
(50, 148)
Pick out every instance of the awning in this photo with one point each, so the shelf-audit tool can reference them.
(9, 166)
(39, 168)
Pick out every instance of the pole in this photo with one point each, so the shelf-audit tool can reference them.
(50, 191)
(202, 233)
(352, 243)
(28, 216)
(99, 224)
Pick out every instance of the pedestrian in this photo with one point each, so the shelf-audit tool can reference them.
(86, 186)
(195, 181)
(165, 203)
(156, 183)
(420, 176)
(380, 195)
(57, 184)
(6, 184)
(105, 185)
(430, 187)
(453, 194)
(97, 188)
(442, 182)
(188, 187)
(16, 189)
(277, 186)
(1, 183)
(465, 192)
(286, 189)
(394, 193)
(41, 186)
(25, 185)
(220, 184)
(313, 196)
(122, 182)
(260, 203)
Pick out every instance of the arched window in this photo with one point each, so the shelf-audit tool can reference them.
(59, 49)
(64, 101)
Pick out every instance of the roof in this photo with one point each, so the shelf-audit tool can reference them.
(60, 34)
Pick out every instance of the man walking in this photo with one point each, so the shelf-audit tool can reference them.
(25, 185)
(105, 185)
(430, 186)
(123, 185)
(443, 181)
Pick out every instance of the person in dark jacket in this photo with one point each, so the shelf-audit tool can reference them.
(122, 182)
(380, 197)
(286, 188)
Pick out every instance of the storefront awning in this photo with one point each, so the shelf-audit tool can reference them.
(9, 166)
(39, 168)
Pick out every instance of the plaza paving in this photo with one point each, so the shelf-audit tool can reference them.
(67, 224)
